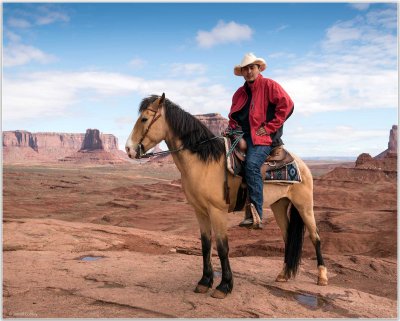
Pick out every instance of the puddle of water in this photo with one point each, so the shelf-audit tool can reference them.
(310, 301)
(90, 258)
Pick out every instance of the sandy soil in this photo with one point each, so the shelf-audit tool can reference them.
(121, 241)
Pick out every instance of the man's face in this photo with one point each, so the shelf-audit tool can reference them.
(250, 72)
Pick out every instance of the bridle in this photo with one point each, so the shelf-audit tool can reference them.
(140, 148)
(155, 117)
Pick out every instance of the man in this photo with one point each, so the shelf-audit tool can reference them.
(259, 108)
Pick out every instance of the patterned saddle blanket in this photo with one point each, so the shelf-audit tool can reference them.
(279, 167)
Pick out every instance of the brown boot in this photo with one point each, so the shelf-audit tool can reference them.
(251, 218)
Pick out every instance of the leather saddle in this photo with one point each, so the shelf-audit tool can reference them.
(278, 157)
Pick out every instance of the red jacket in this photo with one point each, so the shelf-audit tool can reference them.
(267, 94)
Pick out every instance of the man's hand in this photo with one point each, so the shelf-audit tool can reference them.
(261, 131)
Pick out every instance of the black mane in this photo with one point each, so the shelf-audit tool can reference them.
(191, 131)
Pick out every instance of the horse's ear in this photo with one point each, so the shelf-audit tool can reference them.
(162, 100)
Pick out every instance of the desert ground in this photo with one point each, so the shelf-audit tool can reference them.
(121, 241)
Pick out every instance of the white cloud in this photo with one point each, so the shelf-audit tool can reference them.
(281, 27)
(12, 36)
(18, 23)
(282, 55)
(356, 68)
(37, 15)
(360, 6)
(125, 121)
(340, 33)
(339, 134)
(16, 54)
(137, 63)
(52, 93)
(179, 69)
(335, 141)
(334, 91)
(49, 14)
(385, 18)
(224, 33)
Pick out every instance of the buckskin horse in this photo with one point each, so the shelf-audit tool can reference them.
(201, 160)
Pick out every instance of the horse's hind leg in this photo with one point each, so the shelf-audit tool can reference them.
(219, 224)
(307, 214)
(206, 280)
(279, 209)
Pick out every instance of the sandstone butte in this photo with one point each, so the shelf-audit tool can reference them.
(93, 146)
(22, 146)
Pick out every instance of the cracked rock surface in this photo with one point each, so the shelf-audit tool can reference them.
(119, 242)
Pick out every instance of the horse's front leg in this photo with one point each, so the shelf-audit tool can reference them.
(219, 223)
(226, 284)
(207, 279)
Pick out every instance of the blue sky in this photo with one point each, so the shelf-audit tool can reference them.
(72, 66)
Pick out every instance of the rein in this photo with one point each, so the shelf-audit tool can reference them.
(156, 116)
(166, 152)
(239, 135)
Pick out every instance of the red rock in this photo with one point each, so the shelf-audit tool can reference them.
(214, 121)
(392, 145)
(23, 146)
(92, 140)
(363, 158)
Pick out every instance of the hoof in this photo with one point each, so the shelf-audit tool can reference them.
(217, 294)
(322, 281)
(201, 289)
(281, 278)
(322, 275)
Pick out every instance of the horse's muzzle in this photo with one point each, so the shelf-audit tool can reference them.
(137, 152)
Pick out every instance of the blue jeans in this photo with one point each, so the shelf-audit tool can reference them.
(255, 157)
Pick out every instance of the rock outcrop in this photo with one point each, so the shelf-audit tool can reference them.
(386, 161)
(23, 146)
(215, 122)
(363, 158)
(368, 169)
(92, 140)
(392, 145)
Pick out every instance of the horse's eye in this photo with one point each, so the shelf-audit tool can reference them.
(144, 119)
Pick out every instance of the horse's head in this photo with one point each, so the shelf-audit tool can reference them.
(149, 129)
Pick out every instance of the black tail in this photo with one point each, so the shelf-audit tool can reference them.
(294, 244)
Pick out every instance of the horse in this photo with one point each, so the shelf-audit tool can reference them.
(201, 160)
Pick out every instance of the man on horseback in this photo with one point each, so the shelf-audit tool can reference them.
(259, 109)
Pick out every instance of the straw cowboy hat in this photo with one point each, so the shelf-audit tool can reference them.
(248, 59)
